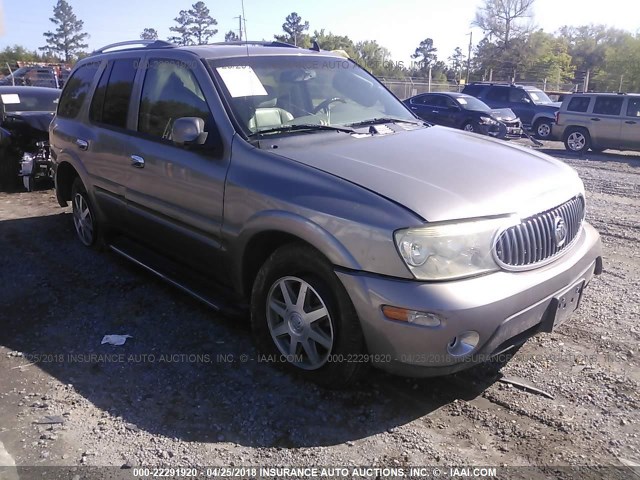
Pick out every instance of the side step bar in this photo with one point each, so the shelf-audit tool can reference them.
(199, 287)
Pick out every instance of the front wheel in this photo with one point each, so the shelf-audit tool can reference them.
(542, 129)
(577, 140)
(302, 317)
(468, 127)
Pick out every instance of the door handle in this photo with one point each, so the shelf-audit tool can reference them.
(137, 161)
(595, 119)
(82, 144)
(435, 111)
(631, 122)
(414, 108)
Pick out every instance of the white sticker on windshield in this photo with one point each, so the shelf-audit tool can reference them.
(10, 98)
(461, 101)
(241, 81)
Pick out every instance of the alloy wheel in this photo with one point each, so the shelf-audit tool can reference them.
(576, 141)
(82, 219)
(300, 323)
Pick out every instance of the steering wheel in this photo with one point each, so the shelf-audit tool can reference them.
(325, 104)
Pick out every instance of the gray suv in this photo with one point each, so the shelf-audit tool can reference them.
(598, 121)
(352, 232)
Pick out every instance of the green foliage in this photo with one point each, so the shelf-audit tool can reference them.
(231, 36)
(195, 26)
(67, 41)
(295, 29)
(149, 34)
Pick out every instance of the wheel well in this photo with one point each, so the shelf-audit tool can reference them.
(571, 128)
(259, 248)
(65, 175)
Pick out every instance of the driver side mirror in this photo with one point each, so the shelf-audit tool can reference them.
(188, 131)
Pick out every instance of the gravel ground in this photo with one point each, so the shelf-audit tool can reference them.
(186, 388)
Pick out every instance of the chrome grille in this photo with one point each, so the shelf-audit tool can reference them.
(539, 238)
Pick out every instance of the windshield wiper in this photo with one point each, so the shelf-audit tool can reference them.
(302, 126)
(375, 121)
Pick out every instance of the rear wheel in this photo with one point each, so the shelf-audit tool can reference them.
(542, 129)
(577, 140)
(84, 218)
(302, 317)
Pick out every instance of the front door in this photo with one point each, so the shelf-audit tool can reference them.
(175, 193)
(605, 123)
(631, 125)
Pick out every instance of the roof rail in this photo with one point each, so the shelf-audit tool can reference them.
(134, 44)
(273, 43)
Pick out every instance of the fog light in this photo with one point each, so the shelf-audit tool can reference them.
(411, 316)
(463, 344)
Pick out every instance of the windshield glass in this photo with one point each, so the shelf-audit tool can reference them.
(268, 92)
(538, 96)
(472, 103)
(30, 101)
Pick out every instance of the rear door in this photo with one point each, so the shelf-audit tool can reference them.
(631, 125)
(605, 121)
(175, 193)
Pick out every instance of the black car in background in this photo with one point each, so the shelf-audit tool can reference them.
(534, 107)
(465, 112)
(25, 115)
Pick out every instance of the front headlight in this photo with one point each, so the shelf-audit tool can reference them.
(445, 251)
(488, 121)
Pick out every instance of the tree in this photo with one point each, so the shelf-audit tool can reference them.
(456, 62)
(425, 53)
(194, 26)
(329, 41)
(149, 34)
(68, 38)
(231, 36)
(504, 20)
(294, 28)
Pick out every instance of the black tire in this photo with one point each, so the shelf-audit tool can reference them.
(577, 140)
(597, 149)
(291, 263)
(469, 127)
(542, 129)
(9, 170)
(87, 227)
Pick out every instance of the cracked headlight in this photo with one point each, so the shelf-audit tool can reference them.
(446, 251)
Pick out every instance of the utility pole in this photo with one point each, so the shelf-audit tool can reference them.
(621, 79)
(469, 57)
(239, 17)
(585, 88)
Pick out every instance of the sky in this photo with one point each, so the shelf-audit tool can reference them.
(399, 25)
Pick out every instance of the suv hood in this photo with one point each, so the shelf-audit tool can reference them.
(440, 173)
(503, 114)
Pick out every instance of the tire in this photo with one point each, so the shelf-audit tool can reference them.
(85, 221)
(542, 129)
(597, 150)
(309, 337)
(9, 169)
(468, 127)
(577, 140)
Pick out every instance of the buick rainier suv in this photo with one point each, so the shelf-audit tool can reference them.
(290, 186)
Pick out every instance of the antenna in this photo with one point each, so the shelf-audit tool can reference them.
(244, 18)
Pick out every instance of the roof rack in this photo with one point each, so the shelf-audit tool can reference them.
(273, 43)
(134, 44)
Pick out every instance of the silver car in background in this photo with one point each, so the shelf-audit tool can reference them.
(353, 232)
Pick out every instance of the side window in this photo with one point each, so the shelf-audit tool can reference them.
(76, 90)
(578, 104)
(517, 95)
(170, 91)
(633, 109)
(430, 100)
(110, 103)
(473, 90)
(608, 105)
(498, 94)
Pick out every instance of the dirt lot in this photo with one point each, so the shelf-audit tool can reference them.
(185, 389)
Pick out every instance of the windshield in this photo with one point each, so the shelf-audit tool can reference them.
(266, 92)
(472, 103)
(538, 96)
(30, 101)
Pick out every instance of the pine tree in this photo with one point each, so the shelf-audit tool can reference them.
(68, 38)
(194, 26)
(149, 34)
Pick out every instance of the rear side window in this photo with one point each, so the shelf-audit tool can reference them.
(633, 109)
(110, 104)
(76, 90)
(578, 104)
(498, 94)
(608, 105)
(170, 91)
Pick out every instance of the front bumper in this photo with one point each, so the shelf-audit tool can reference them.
(505, 308)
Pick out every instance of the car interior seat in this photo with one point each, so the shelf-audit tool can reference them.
(267, 114)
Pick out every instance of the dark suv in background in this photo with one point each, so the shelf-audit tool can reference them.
(534, 108)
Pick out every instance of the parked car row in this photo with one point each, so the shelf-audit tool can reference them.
(36, 76)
